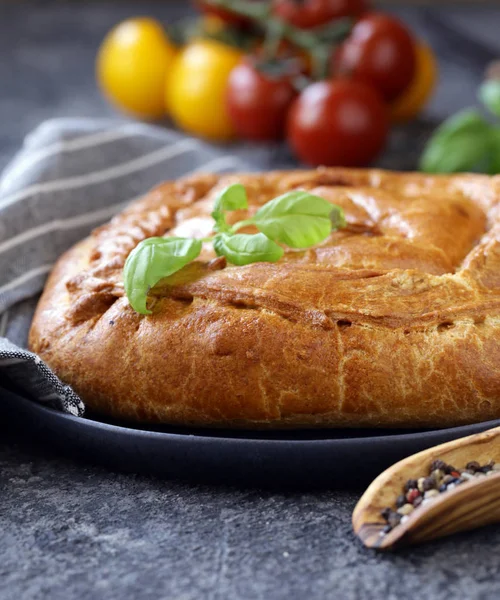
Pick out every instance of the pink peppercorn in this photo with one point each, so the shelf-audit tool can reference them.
(411, 495)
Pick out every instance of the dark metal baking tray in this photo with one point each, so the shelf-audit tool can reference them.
(305, 458)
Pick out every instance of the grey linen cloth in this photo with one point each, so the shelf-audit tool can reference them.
(70, 176)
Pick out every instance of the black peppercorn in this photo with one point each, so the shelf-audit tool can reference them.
(394, 519)
(410, 485)
(386, 513)
(473, 466)
(429, 483)
(400, 500)
(438, 464)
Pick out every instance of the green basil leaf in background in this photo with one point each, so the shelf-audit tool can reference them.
(243, 249)
(233, 197)
(298, 219)
(489, 94)
(494, 152)
(461, 143)
(152, 260)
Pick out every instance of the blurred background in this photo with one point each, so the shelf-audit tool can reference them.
(48, 53)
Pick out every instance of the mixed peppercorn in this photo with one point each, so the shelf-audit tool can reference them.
(418, 492)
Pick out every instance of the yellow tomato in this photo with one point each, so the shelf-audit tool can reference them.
(413, 99)
(132, 64)
(196, 88)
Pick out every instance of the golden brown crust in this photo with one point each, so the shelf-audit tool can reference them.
(394, 321)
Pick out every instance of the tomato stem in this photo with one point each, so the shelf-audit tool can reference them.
(274, 35)
(257, 11)
(318, 42)
(321, 61)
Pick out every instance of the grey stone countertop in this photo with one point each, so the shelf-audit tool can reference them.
(72, 530)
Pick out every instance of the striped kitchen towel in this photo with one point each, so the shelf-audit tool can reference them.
(70, 176)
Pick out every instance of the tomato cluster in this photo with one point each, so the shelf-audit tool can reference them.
(371, 71)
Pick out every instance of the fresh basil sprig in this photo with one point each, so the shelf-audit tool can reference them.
(467, 141)
(296, 219)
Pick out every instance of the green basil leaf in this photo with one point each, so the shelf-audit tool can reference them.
(461, 143)
(489, 94)
(243, 249)
(337, 217)
(152, 260)
(298, 219)
(494, 152)
(466, 120)
(233, 197)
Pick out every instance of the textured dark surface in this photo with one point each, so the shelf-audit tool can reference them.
(70, 530)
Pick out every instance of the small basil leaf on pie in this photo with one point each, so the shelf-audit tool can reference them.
(243, 249)
(152, 260)
(232, 197)
(298, 219)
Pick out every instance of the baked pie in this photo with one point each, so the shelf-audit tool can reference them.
(393, 321)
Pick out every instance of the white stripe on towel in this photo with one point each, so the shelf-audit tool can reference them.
(215, 165)
(43, 269)
(63, 224)
(64, 146)
(143, 162)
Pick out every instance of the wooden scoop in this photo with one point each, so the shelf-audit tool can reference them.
(471, 504)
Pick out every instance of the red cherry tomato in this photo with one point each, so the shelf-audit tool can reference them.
(258, 103)
(380, 51)
(338, 123)
(310, 13)
(224, 14)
